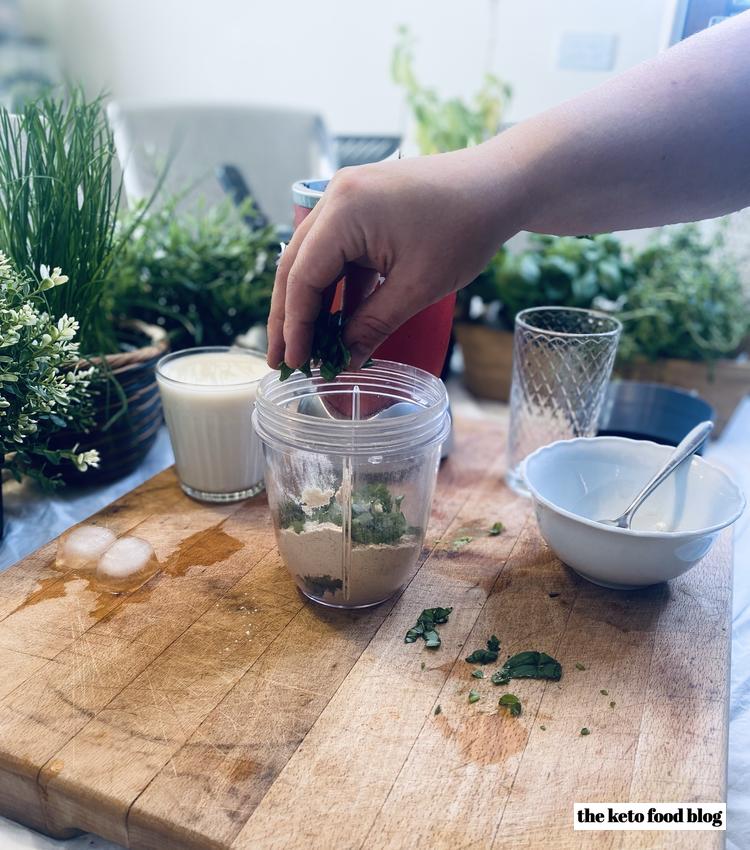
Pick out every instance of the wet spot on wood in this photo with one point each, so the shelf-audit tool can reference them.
(204, 548)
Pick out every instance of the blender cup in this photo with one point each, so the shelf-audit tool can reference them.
(350, 492)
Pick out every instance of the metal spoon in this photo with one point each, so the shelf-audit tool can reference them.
(685, 449)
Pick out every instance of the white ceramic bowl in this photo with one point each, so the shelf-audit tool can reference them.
(575, 482)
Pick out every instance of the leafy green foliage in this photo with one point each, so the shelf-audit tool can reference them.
(478, 673)
(58, 205)
(376, 515)
(528, 665)
(425, 627)
(679, 297)
(42, 389)
(565, 271)
(204, 275)
(496, 529)
(688, 300)
(511, 703)
(447, 124)
(585, 731)
(328, 349)
(460, 542)
(473, 696)
(320, 585)
(485, 656)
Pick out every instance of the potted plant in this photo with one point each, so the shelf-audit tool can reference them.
(44, 390)
(204, 276)
(686, 318)
(558, 271)
(58, 205)
(443, 125)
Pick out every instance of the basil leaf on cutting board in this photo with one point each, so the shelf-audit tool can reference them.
(528, 665)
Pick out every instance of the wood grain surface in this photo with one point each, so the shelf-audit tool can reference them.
(212, 707)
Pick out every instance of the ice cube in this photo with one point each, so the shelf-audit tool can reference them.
(126, 559)
(81, 547)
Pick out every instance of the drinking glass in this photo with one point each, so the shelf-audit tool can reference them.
(208, 396)
(562, 362)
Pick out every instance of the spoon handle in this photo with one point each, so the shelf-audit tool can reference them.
(689, 444)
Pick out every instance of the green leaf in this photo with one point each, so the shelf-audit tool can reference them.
(478, 674)
(473, 696)
(528, 665)
(425, 627)
(320, 585)
(285, 372)
(512, 703)
(579, 666)
(497, 528)
(460, 542)
(438, 709)
(485, 656)
(585, 731)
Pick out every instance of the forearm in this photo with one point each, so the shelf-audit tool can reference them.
(665, 142)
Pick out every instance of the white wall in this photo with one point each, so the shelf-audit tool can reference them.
(333, 55)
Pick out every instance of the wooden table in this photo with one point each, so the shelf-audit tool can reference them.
(213, 707)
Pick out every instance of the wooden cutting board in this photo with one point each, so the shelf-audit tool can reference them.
(213, 707)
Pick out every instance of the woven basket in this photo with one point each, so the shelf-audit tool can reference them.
(124, 444)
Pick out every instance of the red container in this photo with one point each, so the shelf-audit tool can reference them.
(421, 341)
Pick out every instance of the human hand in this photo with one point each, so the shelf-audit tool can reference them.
(428, 225)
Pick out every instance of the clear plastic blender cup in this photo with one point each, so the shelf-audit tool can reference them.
(350, 470)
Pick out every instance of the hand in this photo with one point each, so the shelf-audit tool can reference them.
(428, 225)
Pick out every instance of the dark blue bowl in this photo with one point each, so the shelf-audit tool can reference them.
(651, 412)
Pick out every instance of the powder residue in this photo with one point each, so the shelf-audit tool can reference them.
(314, 557)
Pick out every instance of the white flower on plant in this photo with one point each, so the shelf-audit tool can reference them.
(83, 460)
(52, 278)
(66, 327)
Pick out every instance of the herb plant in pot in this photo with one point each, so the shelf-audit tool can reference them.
(559, 271)
(686, 318)
(44, 390)
(58, 205)
(204, 276)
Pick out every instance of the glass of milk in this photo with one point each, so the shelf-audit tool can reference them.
(208, 395)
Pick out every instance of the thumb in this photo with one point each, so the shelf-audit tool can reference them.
(377, 317)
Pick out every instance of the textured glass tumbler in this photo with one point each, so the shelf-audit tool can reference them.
(562, 361)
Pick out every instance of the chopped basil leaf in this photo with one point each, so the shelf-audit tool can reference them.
(425, 626)
(579, 666)
(473, 696)
(528, 665)
(320, 585)
(328, 350)
(423, 666)
(612, 704)
(604, 692)
(377, 517)
(585, 731)
(438, 709)
(478, 673)
(543, 728)
(512, 703)
(485, 656)
(459, 542)
(497, 528)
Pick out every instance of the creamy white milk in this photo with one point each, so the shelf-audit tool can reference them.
(208, 400)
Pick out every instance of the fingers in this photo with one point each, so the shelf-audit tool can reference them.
(318, 263)
(379, 316)
(278, 299)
